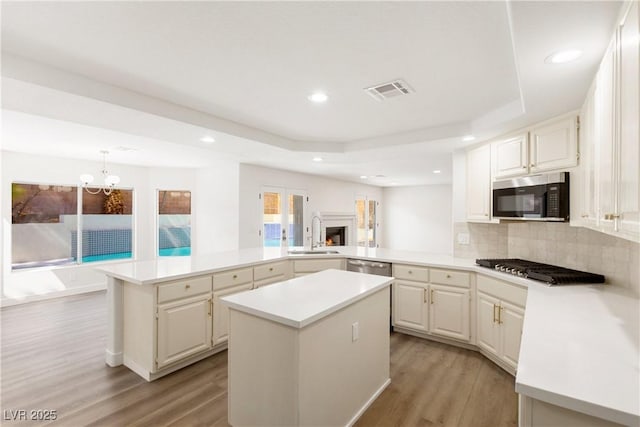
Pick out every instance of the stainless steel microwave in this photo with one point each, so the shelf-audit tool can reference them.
(537, 197)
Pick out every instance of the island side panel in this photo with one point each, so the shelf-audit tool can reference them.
(115, 328)
(263, 361)
(340, 376)
(139, 334)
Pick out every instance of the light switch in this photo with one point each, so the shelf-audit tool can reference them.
(354, 332)
(463, 238)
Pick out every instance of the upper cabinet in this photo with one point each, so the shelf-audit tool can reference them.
(549, 146)
(479, 184)
(609, 194)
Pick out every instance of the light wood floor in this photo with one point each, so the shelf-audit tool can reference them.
(53, 358)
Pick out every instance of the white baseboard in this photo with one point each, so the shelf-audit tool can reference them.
(6, 302)
(369, 402)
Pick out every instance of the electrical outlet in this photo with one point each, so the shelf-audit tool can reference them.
(463, 238)
(355, 331)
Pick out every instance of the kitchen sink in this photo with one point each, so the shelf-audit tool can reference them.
(319, 252)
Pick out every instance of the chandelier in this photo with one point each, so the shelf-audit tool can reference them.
(110, 181)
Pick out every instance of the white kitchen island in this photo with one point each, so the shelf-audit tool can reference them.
(309, 351)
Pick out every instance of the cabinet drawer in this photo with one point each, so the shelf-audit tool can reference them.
(184, 288)
(268, 271)
(411, 272)
(449, 277)
(315, 265)
(230, 278)
(503, 290)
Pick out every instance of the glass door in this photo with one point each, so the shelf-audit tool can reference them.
(283, 217)
(366, 221)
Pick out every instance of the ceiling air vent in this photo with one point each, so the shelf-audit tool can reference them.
(389, 90)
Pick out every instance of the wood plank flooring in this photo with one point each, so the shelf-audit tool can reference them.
(53, 359)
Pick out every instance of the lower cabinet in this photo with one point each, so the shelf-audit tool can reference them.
(432, 301)
(221, 313)
(184, 329)
(500, 317)
(302, 267)
(267, 274)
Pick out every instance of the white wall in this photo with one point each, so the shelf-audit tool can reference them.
(324, 195)
(418, 218)
(215, 212)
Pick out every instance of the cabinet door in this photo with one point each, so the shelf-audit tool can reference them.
(487, 322)
(184, 329)
(511, 320)
(449, 312)
(479, 183)
(587, 213)
(605, 135)
(221, 313)
(510, 157)
(553, 146)
(629, 169)
(410, 305)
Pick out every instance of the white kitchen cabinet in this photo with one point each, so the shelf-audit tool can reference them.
(410, 305)
(221, 313)
(479, 184)
(449, 311)
(510, 156)
(551, 145)
(267, 274)
(500, 316)
(303, 267)
(184, 329)
(584, 204)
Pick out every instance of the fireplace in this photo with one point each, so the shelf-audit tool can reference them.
(335, 236)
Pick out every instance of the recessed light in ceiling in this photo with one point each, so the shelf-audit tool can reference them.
(318, 97)
(468, 138)
(380, 176)
(563, 56)
(363, 177)
(208, 139)
(437, 171)
(317, 159)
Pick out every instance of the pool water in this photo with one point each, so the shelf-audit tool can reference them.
(183, 251)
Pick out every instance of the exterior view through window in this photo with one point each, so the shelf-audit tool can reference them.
(367, 225)
(174, 223)
(45, 225)
(283, 217)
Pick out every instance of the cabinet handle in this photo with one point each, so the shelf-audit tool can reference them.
(448, 276)
(486, 214)
(187, 286)
(500, 308)
(431, 296)
(532, 165)
(424, 296)
(585, 215)
(235, 276)
(524, 167)
(410, 272)
(494, 313)
(210, 306)
(270, 268)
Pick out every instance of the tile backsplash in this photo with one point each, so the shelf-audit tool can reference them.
(554, 243)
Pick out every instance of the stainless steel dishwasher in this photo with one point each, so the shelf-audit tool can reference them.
(374, 267)
(369, 267)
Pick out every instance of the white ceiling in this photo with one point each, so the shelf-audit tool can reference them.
(158, 75)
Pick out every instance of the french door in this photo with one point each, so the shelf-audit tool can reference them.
(283, 217)
(367, 226)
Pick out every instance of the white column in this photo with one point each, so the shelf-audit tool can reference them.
(115, 331)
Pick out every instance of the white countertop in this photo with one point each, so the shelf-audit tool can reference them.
(304, 300)
(580, 350)
(173, 268)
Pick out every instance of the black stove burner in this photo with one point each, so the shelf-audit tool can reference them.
(550, 274)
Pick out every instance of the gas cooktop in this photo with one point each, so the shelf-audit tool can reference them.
(550, 274)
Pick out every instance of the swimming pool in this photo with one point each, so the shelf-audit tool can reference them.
(183, 251)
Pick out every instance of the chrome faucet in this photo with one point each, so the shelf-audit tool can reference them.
(318, 243)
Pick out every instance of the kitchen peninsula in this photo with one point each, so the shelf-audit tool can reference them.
(307, 344)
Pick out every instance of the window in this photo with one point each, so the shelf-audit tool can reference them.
(174, 223)
(282, 222)
(366, 218)
(46, 224)
(43, 220)
(107, 224)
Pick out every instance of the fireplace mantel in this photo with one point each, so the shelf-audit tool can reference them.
(338, 219)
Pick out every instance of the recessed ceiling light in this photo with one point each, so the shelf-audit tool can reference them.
(363, 177)
(207, 139)
(317, 159)
(318, 97)
(563, 56)
(469, 138)
(437, 171)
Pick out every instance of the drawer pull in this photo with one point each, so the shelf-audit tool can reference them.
(494, 313)
(235, 276)
(448, 276)
(425, 295)
(270, 268)
(431, 296)
(410, 272)
(187, 286)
